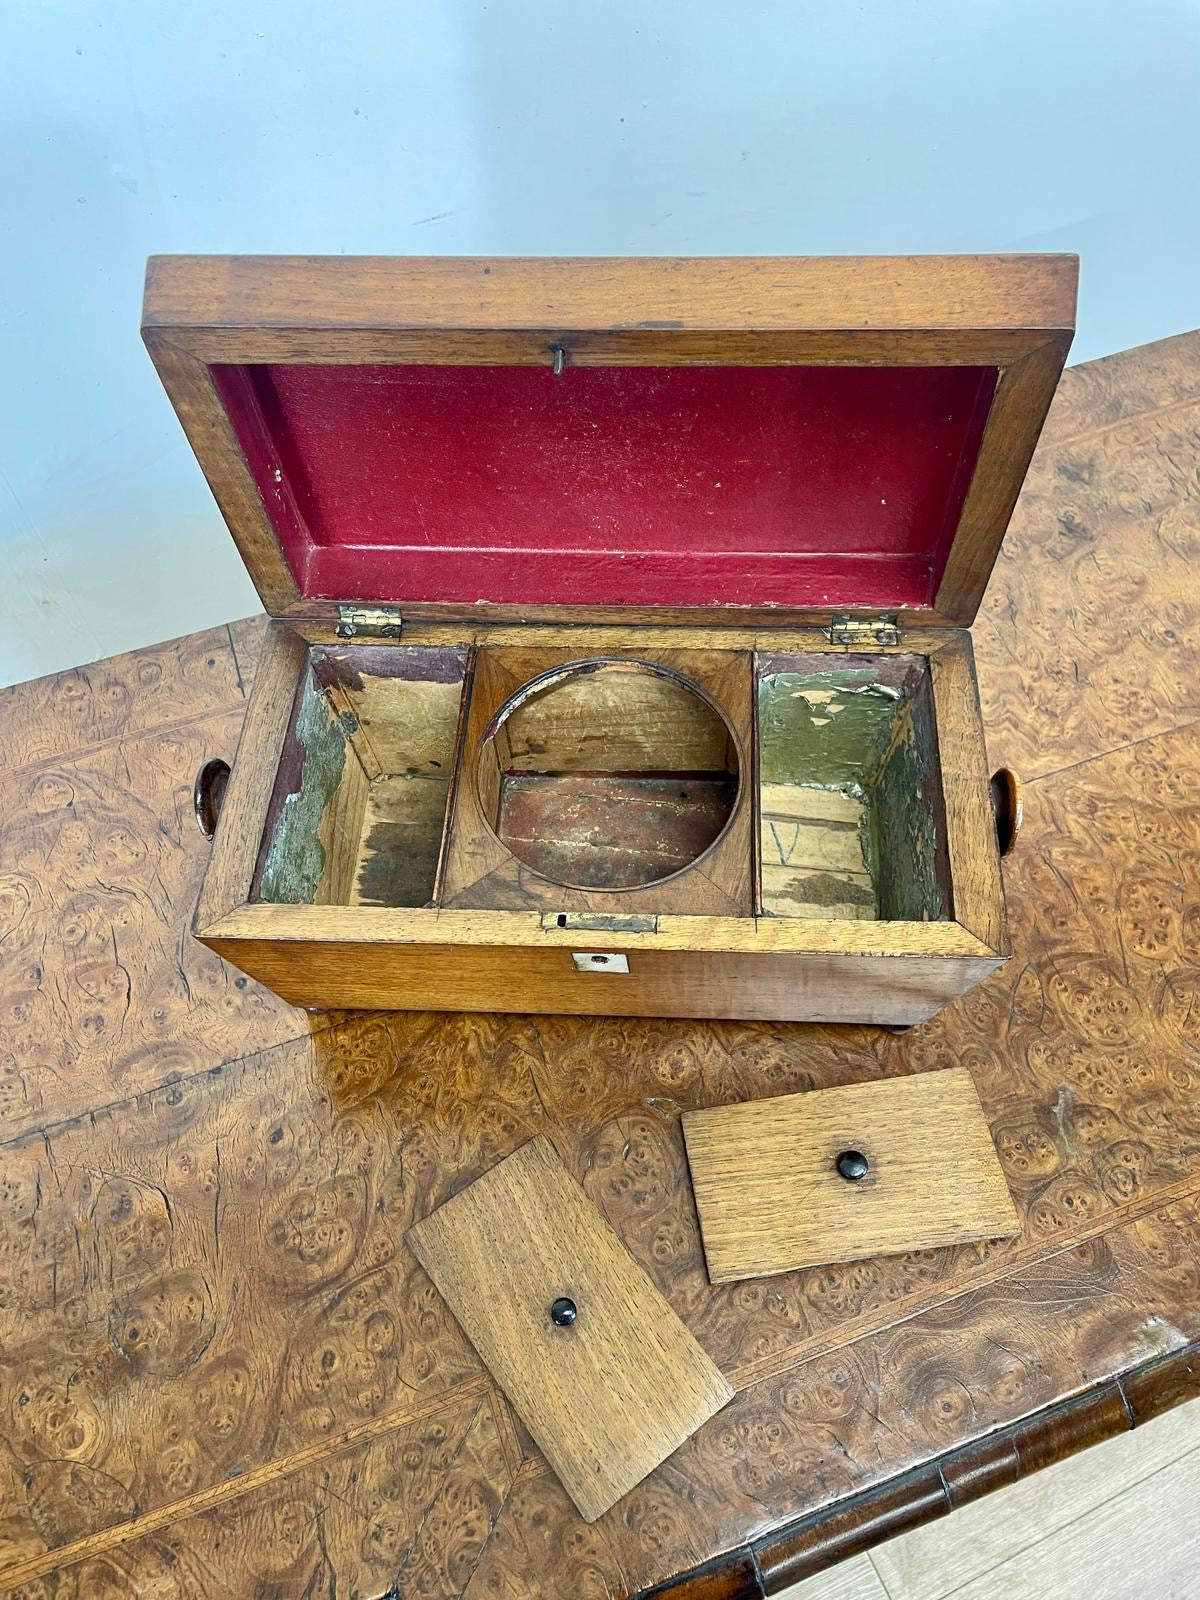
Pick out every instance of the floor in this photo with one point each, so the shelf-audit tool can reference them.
(1116, 1521)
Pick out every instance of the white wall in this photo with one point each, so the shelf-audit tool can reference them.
(586, 126)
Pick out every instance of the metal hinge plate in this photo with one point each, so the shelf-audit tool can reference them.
(864, 630)
(377, 622)
(600, 921)
(599, 961)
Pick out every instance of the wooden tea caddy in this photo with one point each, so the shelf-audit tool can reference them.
(620, 657)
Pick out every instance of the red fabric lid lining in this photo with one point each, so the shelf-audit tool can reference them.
(652, 486)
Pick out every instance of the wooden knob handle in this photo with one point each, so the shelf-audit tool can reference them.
(208, 793)
(1007, 807)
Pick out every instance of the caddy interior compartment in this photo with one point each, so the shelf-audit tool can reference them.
(359, 811)
(851, 814)
(608, 774)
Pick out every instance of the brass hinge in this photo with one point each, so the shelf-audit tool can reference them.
(864, 630)
(377, 622)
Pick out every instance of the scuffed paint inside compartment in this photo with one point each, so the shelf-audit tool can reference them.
(295, 861)
(851, 818)
(362, 795)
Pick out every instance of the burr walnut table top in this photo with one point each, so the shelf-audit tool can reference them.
(223, 1374)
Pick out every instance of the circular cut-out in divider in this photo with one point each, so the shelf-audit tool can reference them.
(608, 774)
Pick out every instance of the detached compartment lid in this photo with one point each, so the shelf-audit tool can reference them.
(868, 1169)
(794, 435)
(598, 1366)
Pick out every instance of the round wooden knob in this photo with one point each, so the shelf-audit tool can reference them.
(563, 1312)
(852, 1165)
(208, 793)
(1007, 807)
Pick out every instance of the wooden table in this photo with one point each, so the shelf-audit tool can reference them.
(222, 1374)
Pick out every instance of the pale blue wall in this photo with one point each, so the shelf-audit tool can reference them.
(638, 126)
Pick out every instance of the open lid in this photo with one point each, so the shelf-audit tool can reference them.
(514, 437)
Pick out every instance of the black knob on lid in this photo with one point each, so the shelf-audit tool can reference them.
(853, 1165)
(563, 1312)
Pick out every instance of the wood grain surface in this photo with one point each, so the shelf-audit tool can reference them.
(608, 1397)
(770, 1197)
(187, 1158)
(480, 871)
(1013, 312)
(836, 987)
(230, 876)
(303, 293)
(475, 952)
(978, 894)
